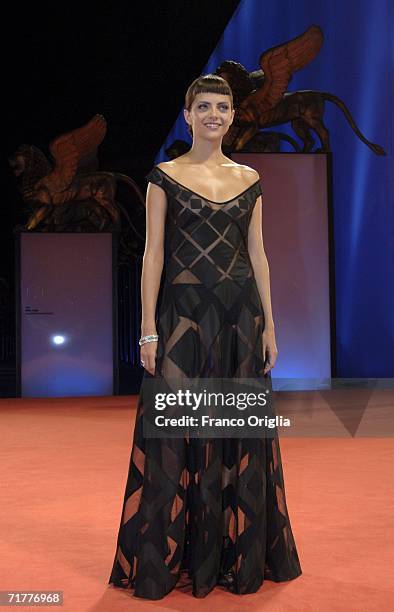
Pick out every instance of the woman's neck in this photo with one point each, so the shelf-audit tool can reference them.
(206, 153)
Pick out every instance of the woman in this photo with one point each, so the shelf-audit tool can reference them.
(204, 512)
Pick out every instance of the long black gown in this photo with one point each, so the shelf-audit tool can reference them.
(205, 512)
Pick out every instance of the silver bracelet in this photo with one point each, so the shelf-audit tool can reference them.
(150, 338)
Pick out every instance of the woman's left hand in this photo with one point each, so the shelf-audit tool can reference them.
(270, 351)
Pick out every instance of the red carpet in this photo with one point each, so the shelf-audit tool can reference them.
(64, 466)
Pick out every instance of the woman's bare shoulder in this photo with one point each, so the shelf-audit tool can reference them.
(248, 172)
(172, 163)
(245, 173)
(172, 168)
(163, 165)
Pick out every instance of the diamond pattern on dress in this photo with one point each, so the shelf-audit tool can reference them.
(205, 512)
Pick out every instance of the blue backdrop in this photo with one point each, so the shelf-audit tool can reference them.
(356, 63)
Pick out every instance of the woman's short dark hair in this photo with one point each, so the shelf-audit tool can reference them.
(207, 83)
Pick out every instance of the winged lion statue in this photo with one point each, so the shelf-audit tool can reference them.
(261, 99)
(69, 193)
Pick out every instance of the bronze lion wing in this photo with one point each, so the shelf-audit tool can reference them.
(69, 150)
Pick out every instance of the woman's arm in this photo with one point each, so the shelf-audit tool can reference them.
(260, 262)
(152, 268)
(261, 271)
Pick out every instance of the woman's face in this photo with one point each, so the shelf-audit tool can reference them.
(210, 115)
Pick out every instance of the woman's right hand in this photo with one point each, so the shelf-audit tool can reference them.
(148, 356)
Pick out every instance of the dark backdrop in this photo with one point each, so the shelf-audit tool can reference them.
(133, 63)
(64, 62)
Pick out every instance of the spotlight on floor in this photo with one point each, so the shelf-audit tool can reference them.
(58, 339)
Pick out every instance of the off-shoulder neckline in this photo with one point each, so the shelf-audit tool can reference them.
(203, 197)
